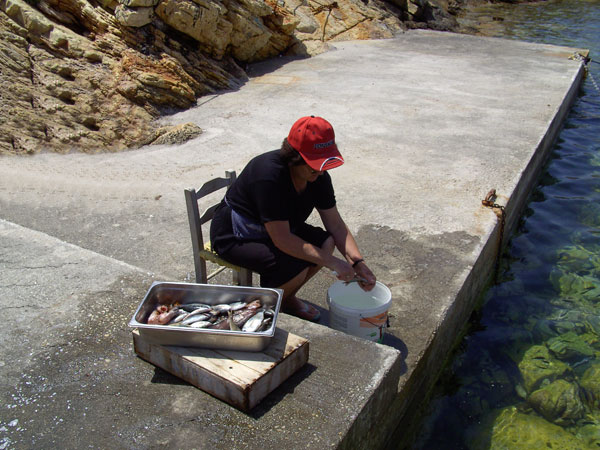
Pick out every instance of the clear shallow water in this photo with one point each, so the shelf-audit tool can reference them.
(527, 374)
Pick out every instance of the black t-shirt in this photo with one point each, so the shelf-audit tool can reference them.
(264, 192)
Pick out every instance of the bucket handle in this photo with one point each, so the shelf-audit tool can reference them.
(385, 325)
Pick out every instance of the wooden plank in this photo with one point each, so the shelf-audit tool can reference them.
(287, 367)
(241, 379)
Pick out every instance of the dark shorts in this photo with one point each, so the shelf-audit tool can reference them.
(274, 266)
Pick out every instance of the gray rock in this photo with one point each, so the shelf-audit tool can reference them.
(138, 3)
(177, 134)
(134, 17)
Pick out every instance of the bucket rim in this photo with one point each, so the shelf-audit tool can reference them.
(361, 313)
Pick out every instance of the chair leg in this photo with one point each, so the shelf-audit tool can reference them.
(243, 277)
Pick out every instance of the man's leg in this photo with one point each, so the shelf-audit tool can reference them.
(293, 304)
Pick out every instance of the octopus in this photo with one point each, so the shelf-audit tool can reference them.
(162, 315)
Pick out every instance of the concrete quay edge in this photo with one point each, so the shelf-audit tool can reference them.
(414, 391)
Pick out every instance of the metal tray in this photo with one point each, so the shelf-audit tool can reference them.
(164, 293)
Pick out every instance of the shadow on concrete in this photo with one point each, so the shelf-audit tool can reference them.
(388, 339)
(265, 67)
(284, 389)
(392, 341)
(163, 377)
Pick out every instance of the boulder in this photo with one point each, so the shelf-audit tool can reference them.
(583, 289)
(134, 17)
(138, 3)
(203, 20)
(158, 81)
(572, 346)
(511, 429)
(539, 367)
(590, 386)
(176, 134)
(559, 402)
(589, 431)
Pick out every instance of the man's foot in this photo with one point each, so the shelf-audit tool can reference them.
(301, 309)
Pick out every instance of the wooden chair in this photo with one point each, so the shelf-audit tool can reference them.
(202, 251)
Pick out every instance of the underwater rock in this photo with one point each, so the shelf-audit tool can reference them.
(510, 429)
(590, 215)
(545, 329)
(559, 402)
(572, 346)
(589, 431)
(576, 258)
(592, 321)
(578, 288)
(590, 386)
(538, 366)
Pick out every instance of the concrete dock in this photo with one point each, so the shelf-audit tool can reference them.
(428, 123)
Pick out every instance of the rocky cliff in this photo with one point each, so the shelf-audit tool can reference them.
(92, 75)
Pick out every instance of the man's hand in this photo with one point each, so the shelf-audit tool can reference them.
(363, 271)
(342, 269)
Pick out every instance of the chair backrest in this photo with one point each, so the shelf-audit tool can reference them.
(196, 220)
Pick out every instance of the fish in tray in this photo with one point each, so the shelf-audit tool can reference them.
(249, 316)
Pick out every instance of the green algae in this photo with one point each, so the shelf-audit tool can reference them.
(590, 385)
(584, 289)
(589, 430)
(573, 346)
(590, 215)
(557, 359)
(539, 367)
(558, 402)
(577, 258)
(511, 429)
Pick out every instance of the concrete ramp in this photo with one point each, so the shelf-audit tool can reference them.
(428, 123)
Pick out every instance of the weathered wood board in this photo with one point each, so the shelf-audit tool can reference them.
(239, 378)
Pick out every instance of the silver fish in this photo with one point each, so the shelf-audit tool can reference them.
(182, 315)
(254, 322)
(189, 307)
(201, 310)
(200, 324)
(195, 318)
(221, 308)
(237, 306)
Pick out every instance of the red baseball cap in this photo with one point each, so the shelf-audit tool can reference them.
(314, 139)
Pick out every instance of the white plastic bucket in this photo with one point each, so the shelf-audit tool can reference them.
(359, 313)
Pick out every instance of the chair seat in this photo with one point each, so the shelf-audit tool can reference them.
(208, 254)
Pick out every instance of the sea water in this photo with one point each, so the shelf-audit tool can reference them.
(547, 297)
